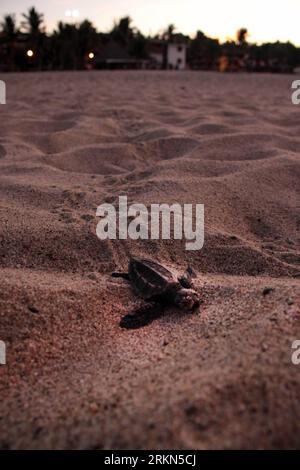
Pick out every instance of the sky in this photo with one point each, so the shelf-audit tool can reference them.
(266, 20)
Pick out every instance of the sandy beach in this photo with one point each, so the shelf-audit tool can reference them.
(219, 378)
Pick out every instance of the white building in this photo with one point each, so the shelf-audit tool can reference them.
(168, 55)
(176, 56)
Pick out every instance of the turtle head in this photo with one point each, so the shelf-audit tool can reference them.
(187, 299)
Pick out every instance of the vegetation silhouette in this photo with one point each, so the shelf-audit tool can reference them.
(77, 46)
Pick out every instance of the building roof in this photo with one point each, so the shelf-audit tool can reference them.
(113, 52)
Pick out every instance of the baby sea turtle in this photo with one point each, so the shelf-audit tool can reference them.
(158, 287)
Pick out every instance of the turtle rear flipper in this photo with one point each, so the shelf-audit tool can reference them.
(142, 316)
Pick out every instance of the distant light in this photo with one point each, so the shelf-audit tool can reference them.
(72, 13)
(30, 53)
(91, 55)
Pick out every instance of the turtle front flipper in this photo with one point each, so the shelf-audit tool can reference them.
(122, 275)
(142, 316)
(186, 280)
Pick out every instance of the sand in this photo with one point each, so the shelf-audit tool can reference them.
(221, 378)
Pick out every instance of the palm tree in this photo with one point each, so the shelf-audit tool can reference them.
(122, 31)
(10, 31)
(8, 26)
(87, 40)
(169, 32)
(241, 36)
(65, 46)
(33, 22)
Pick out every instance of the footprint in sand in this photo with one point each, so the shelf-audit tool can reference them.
(87, 217)
(66, 218)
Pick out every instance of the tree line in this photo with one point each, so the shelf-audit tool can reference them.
(27, 46)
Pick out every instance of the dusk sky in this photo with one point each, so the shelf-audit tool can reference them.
(266, 20)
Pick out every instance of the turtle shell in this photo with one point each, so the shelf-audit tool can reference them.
(149, 278)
